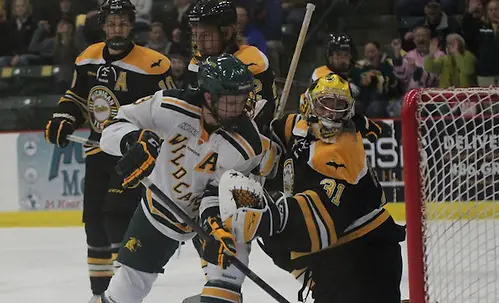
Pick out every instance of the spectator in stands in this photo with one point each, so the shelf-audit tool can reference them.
(20, 31)
(143, 10)
(410, 69)
(268, 18)
(472, 21)
(457, 68)
(42, 42)
(158, 40)
(488, 47)
(179, 58)
(437, 21)
(374, 76)
(178, 17)
(4, 30)
(65, 53)
(246, 29)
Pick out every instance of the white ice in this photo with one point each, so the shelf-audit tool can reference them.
(48, 265)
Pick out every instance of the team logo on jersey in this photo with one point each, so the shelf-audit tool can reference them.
(104, 72)
(335, 164)
(288, 177)
(133, 244)
(102, 106)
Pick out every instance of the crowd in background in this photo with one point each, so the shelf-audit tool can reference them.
(442, 44)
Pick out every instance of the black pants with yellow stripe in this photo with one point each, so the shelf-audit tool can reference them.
(107, 210)
(366, 270)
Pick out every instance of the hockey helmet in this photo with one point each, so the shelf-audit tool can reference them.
(118, 7)
(231, 86)
(213, 12)
(328, 105)
(220, 15)
(338, 42)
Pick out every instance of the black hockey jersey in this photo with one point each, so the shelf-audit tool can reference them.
(333, 194)
(103, 82)
(265, 88)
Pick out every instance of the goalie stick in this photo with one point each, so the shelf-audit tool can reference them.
(196, 227)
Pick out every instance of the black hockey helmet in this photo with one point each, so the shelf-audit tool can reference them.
(338, 42)
(118, 7)
(226, 76)
(213, 12)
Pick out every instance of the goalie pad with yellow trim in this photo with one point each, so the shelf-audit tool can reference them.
(248, 210)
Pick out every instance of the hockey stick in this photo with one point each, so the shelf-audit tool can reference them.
(205, 236)
(83, 140)
(196, 227)
(294, 61)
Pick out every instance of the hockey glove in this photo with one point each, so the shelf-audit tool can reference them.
(367, 127)
(222, 247)
(58, 128)
(139, 159)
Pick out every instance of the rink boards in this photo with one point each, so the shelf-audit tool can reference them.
(43, 186)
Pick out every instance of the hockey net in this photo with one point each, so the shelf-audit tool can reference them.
(451, 175)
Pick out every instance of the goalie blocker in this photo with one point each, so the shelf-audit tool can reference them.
(329, 227)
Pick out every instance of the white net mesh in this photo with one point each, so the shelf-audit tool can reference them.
(459, 166)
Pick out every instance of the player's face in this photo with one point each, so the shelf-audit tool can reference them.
(227, 107)
(207, 39)
(330, 108)
(340, 60)
(117, 26)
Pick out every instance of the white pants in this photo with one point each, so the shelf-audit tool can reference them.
(131, 286)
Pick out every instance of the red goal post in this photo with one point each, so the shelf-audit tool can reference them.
(450, 139)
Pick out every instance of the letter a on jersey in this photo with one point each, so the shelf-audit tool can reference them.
(208, 164)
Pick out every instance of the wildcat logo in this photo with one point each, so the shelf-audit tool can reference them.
(133, 244)
(335, 165)
(157, 63)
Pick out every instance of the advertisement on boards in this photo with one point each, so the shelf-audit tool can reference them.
(385, 156)
(50, 178)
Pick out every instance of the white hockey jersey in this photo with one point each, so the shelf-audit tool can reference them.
(190, 159)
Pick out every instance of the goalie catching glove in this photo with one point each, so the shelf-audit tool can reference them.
(222, 247)
(140, 150)
(248, 210)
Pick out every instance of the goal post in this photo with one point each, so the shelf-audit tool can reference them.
(450, 139)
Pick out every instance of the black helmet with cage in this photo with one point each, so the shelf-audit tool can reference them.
(216, 13)
(122, 8)
(340, 53)
(229, 82)
(338, 42)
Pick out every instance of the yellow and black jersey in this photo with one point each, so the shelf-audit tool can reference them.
(333, 194)
(320, 72)
(103, 82)
(265, 88)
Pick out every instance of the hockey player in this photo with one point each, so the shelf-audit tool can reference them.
(184, 141)
(214, 27)
(329, 227)
(339, 56)
(107, 75)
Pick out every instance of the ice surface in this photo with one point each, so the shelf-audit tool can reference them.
(48, 265)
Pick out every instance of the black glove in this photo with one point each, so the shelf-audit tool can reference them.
(139, 158)
(219, 250)
(367, 128)
(58, 128)
(417, 74)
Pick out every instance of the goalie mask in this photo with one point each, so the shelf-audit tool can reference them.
(327, 106)
(117, 18)
(213, 25)
(229, 85)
